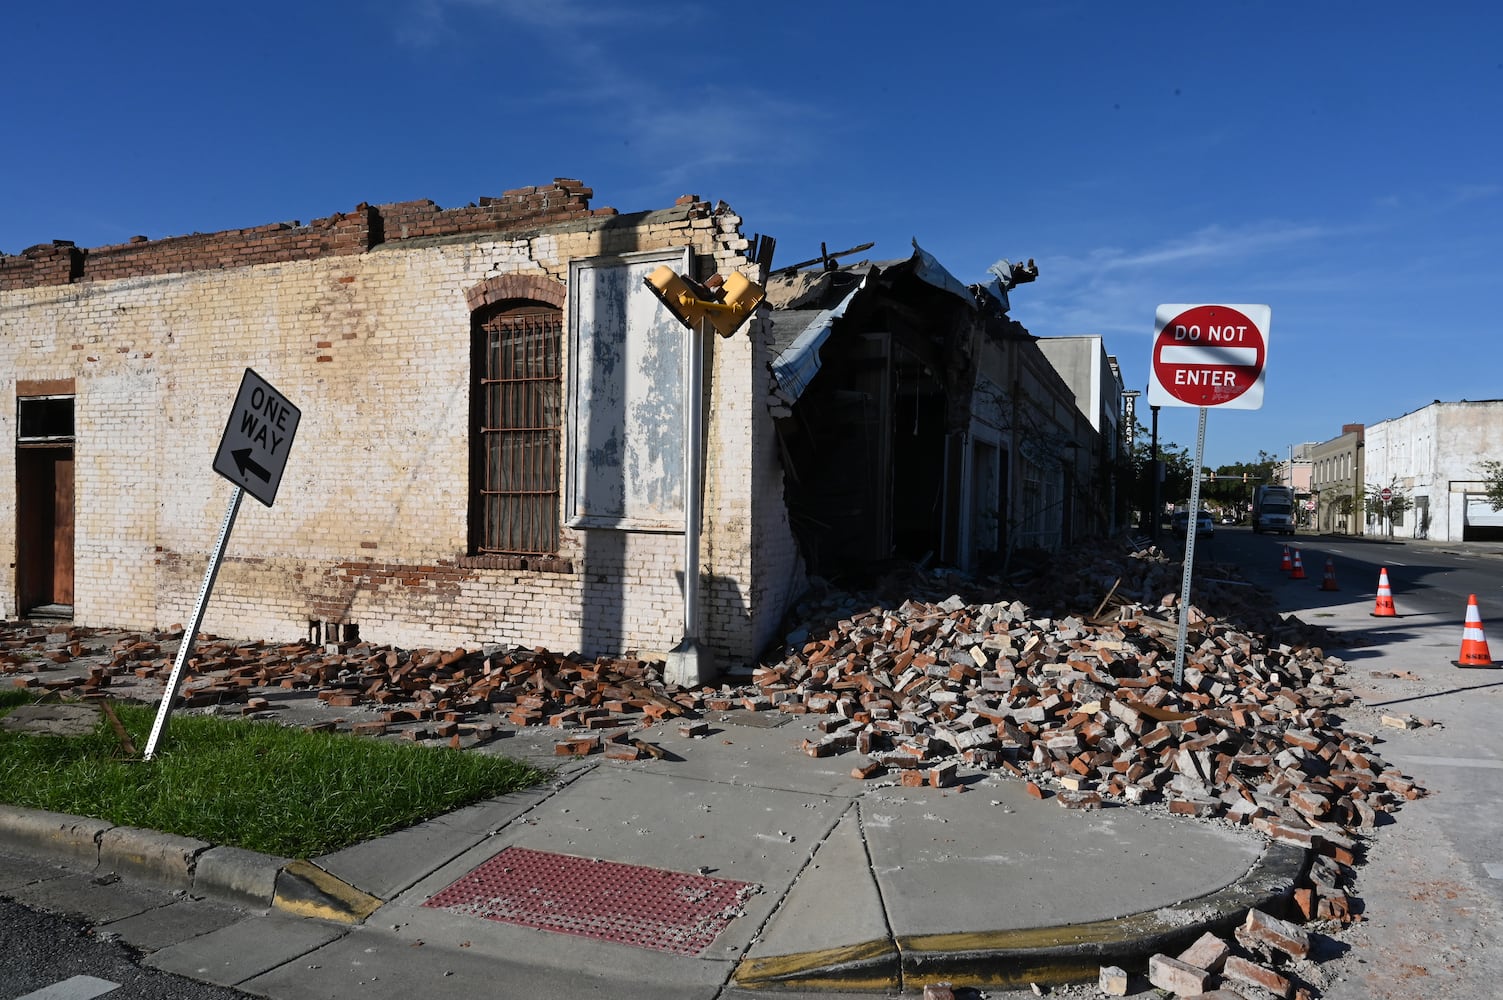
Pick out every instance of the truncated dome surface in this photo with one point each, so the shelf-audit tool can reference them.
(626, 904)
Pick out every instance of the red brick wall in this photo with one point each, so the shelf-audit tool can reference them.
(61, 263)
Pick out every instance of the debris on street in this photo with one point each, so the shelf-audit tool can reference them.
(1079, 701)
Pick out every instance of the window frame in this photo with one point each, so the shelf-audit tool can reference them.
(627, 375)
(511, 397)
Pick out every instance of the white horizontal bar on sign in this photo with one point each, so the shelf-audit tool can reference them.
(1226, 357)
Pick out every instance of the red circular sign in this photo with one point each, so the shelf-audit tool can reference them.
(1208, 355)
(1387, 494)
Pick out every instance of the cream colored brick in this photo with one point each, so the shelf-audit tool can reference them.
(384, 430)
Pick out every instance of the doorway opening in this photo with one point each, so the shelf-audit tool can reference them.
(44, 501)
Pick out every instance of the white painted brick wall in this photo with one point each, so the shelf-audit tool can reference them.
(370, 520)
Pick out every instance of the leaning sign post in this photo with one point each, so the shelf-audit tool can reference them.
(252, 454)
(1206, 356)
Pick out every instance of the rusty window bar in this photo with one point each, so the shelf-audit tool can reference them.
(520, 430)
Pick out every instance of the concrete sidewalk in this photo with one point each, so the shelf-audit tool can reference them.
(834, 884)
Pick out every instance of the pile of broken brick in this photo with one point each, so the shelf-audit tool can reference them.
(1256, 962)
(1086, 711)
(1082, 707)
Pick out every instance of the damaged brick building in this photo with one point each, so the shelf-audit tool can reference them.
(920, 423)
(492, 438)
(484, 454)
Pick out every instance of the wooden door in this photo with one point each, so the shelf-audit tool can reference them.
(44, 527)
(62, 529)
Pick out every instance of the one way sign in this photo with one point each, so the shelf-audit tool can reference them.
(257, 438)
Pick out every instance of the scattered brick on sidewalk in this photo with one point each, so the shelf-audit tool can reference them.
(1078, 704)
(1242, 971)
(1175, 976)
(1262, 934)
(1208, 952)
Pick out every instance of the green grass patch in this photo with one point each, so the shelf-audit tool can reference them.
(14, 698)
(257, 785)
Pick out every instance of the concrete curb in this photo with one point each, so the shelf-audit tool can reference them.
(237, 876)
(52, 836)
(163, 858)
(1049, 956)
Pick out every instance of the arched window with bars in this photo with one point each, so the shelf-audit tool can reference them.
(516, 428)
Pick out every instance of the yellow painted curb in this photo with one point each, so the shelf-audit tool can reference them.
(869, 966)
(1048, 956)
(306, 890)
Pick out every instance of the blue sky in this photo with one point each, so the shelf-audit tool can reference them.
(1340, 161)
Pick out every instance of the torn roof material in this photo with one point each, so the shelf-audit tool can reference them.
(799, 362)
(928, 269)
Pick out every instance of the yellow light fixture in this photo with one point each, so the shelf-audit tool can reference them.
(726, 306)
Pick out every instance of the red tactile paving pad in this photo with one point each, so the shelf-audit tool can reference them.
(626, 904)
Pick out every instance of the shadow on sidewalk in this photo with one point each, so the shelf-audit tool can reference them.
(1434, 694)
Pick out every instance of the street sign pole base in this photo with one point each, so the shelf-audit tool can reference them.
(690, 664)
(185, 647)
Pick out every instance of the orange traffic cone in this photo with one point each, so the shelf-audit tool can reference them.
(1384, 607)
(1285, 565)
(1329, 583)
(1474, 651)
(1298, 572)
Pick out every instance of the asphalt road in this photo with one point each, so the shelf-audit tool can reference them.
(1432, 885)
(1435, 578)
(44, 950)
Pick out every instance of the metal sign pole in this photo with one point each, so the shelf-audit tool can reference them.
(185, 649)
(694, 452)
(1191, 530)
(689, 662)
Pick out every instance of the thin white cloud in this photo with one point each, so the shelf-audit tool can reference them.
(1112, 290)
(1465, 194)
(1214, 245)
(1423, 204)
(649, 117)
(429, 23)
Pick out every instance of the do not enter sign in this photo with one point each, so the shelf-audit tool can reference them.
(1209, 355)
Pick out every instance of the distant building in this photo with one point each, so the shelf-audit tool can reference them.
(1296, 471)
(1431, 458)
(1336, 480)
(1096, 380)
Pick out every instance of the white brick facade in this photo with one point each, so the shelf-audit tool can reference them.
(370, 525)
(1433, 457)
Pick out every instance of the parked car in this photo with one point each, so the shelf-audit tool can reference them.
(1205, 525)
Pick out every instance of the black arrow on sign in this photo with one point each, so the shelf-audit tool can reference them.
(243, 462)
